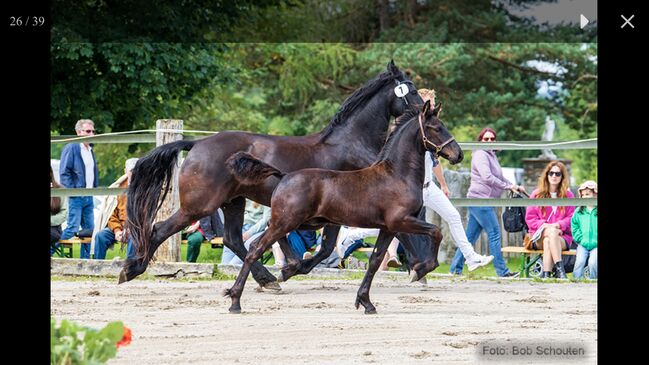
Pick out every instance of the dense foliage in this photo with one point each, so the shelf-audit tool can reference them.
(295, 88)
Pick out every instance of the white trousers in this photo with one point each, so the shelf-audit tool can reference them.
(435, 199)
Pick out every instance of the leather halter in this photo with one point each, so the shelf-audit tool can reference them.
(426, 140)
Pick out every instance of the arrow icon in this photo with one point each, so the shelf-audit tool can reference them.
(584, 21)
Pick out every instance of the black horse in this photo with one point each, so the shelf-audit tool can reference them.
(386, 195)
(351, 141)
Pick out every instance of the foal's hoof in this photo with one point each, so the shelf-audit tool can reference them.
(122, 277)
(273, 285)
(413, 276)
(234, 310)
(369, 308)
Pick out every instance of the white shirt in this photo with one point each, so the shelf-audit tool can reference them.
(553, 195)
(89, 164)
(428, 168)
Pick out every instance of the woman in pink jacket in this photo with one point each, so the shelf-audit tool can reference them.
(554, 221)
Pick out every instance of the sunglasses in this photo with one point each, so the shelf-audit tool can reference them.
(88, 130)
(488, 139)
(555, 173)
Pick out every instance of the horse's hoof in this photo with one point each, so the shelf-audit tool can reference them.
(370, 310)
(273, 285)
(235, 310)
(122, 277)
(413, 276)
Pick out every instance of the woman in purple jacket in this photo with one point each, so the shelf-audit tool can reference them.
(554, 221)
(487, 181)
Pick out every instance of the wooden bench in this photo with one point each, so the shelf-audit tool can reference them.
(216, 242)
(528, 261)
(67, 245)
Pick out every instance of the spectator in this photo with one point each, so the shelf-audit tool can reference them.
(301, 241)
(436, 198)
(487, 181)
(204, 229)
(391, 258)
(551, 223)
(255, 220)
(114, 230)
(584, 232)
(78, 169)
(58, 214)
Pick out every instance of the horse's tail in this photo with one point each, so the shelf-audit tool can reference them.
(151, 177)
(249, 170)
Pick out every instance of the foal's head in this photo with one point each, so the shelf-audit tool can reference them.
(436, 138)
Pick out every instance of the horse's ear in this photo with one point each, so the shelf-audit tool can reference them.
(437, 110)
(425, 108)
(393, 68)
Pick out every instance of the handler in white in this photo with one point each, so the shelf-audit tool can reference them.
(437, 200)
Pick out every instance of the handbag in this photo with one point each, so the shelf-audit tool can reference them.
(514, 217)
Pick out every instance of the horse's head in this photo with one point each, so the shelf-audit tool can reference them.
(403, 93)
(437, 139)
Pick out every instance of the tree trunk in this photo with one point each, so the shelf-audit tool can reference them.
(411, 11)
(169, 250)
(384, 14)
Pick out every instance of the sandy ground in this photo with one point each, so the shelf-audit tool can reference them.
(314, 321)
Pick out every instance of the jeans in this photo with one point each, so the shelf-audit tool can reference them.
(482, 218)
(228, 257)
(234, 259)
(104, 239)
(583, 256)
(55, 236)
(300, 241)
(80, 215)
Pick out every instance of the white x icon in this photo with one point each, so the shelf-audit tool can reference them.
(627, 21)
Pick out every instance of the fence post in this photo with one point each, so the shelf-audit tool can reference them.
(169, 250)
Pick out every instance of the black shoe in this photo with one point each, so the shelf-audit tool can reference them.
(560, 271)
(545, 275)
(511, 274)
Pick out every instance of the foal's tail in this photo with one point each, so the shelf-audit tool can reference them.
(249, 170)
(151, 178)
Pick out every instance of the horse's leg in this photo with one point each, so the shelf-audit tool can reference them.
(233, 214)
(257, 248)
(415, 225)
(330, 235)
(161, 231)
(419, 266)
(363, 295)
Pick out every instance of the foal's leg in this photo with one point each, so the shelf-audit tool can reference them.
(329, 237)
(415, 225)
(233, 213)
(257, 248)
(363, 295)
(161, 231)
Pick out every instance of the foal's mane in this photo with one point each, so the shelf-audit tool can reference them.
(358, 98)
(406, 118)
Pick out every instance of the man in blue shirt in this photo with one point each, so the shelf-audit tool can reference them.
(78, 169)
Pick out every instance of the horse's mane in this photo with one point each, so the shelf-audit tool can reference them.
(411, 113)
(358, 98)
